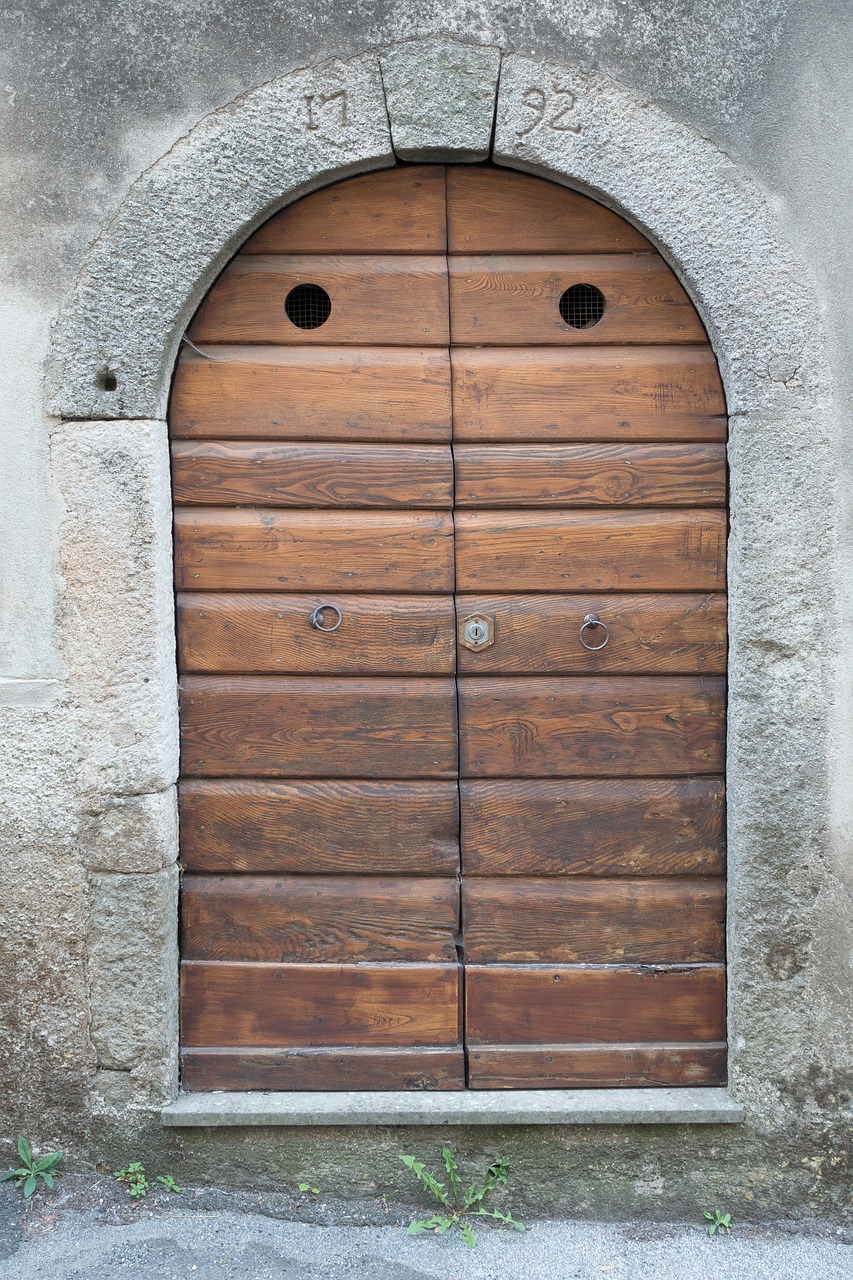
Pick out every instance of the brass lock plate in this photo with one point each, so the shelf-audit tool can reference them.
(477, 632)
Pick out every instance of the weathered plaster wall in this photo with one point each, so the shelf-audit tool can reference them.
(92, 95)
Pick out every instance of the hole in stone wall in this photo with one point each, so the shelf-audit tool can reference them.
(308, 306)
(582, 306)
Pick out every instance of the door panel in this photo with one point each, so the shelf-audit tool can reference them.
(319, 1005)
(660, 634)
(270, 633)
(587, 393)
(514, 300)
(240, 550)
(332, 393)
(395, 211)
(524, 921)
(590, 475)
(294, 727)
(320, 827)
(489, 211)
(626, 726)
(563, 1004)
(374, 299)
(450, 437)
(339, 1067)
(577, 551)
(617, 1066)
(243, 473)
(333, 919)
(594, 827)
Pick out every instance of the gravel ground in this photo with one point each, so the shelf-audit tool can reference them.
(88, 1230)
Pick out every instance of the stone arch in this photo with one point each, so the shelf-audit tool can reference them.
(443, 100)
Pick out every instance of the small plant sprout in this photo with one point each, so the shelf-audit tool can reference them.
(306, 1186)
(168, 1182)
(134, 1177)
(31, 1169)
(457, 1205)
(718, 1221)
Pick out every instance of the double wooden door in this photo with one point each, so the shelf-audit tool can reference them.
(437, 830)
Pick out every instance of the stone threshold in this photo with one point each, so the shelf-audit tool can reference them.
(486, 1106)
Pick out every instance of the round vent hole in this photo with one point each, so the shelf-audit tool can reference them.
(582, 306)
(308, 306)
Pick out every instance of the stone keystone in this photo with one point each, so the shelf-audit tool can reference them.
(441, 98)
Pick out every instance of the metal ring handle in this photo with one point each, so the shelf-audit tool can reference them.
(592, 620)
(316, 617)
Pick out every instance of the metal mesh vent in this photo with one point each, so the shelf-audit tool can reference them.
(582, 306)
(308, 306)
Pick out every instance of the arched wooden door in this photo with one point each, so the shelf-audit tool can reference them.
(435, 832)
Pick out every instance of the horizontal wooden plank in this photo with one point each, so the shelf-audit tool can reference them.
(393, 211)
(320, 828)
(315, 1005)
(271, 634)
(499, 211)
(553, 921)
(331, 393)
(396, 301)
(581, 1066)
(529, 1005)
(602, 826)
(662, 634)
(323, 727)
(318, 919)
(595, 727)
(218, 472)
(589, 475)
(313, 1069)
(587, 393)
(590, 551)
(514, 300)
(323, 551)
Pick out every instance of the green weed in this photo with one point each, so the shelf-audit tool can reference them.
(458, 1206)
(718, 1221)
(31, 1169)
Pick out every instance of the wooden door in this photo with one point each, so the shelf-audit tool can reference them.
(417, 400)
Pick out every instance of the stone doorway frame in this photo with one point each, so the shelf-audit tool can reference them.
(114, 349)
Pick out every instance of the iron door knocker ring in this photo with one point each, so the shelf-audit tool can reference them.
(316, 618)
(592, 620)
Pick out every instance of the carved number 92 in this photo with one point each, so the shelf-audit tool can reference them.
(553, 110)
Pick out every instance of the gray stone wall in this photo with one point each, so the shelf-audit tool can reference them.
(141, 147)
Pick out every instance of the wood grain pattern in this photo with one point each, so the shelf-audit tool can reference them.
(602, 551)
(320, 828)
(331, 393)
(318, 919)
(393, 211)
(583, 393)
(401, 301)
(313, 1069)
(526, 921)
(511, 300)
(282, 1005)
(660, 634)
(588, 475)
(596, 727)
(240, 473)
(589, 827)
(580, 1066)
(613, 1004)
(304, 727)
(266, 634)
(226, 549)
(491, 210)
